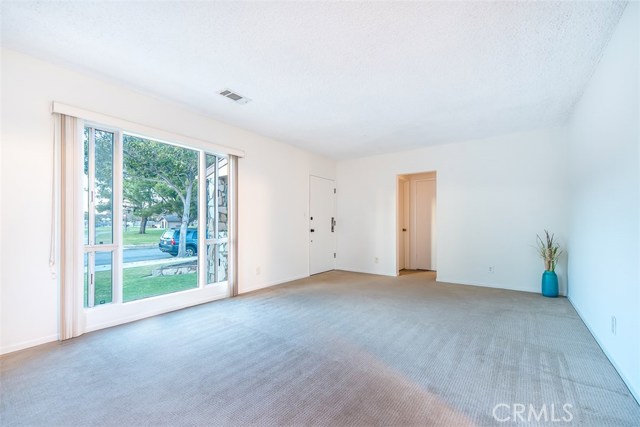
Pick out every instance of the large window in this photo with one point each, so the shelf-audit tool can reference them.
(142, 234)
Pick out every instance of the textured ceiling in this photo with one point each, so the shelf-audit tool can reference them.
(344, 79)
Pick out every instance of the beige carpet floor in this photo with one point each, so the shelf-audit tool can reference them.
(336, 349)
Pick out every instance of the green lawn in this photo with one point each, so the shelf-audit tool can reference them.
(139, 283)
(152, 236)
(131, 236)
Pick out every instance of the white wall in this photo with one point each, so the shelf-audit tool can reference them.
(273, 189)
(604, 218)
(493, 196)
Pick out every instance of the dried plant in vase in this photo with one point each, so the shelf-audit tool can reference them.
(549, 250)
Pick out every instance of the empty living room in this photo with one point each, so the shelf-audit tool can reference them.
(319, 213)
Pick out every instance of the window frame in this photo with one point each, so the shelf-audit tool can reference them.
(118, 312)
(115, 247)
(215, 240)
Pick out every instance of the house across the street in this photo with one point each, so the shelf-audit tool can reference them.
(170, 221)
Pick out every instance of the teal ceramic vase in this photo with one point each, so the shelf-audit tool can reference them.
(550, 284)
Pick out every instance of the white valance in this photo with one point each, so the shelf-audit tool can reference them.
(143, 130)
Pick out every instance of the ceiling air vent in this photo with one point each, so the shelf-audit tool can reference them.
(234, 96)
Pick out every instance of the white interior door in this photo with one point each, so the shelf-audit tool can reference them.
(401, 225)
(321, 225)
(406, 220)
(424, 218)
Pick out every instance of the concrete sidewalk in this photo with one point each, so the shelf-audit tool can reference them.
(146, 246)
(149, 262)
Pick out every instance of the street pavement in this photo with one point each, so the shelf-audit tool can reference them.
(133, 255)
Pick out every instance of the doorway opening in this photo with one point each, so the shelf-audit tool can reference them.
(416, 222)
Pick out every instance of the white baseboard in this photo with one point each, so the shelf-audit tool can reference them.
(374, 273)
(487, 285)
(244, 290)
(26, 344)
(634, 392)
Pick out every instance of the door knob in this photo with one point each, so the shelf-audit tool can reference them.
(312, 230)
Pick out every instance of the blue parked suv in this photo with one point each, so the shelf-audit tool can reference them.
(171, 239)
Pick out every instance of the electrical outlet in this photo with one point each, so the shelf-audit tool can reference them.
(258, 271)
(376, 260)
(614, 325)
(491, 270)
